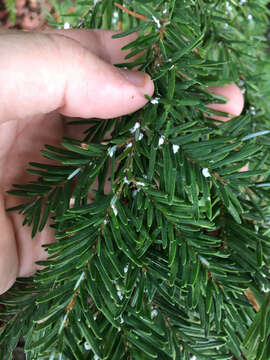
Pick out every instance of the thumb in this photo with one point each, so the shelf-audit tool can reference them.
(41, 73)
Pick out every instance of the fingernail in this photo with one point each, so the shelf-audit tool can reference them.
(137, 78)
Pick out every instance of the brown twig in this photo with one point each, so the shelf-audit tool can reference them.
(120, 25)
(251, 298)
(132, 13)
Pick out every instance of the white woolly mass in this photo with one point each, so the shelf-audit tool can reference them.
(128, 146)
(87, 346)
(112, 150)
(229, 8)
(67, 25)
(115, 17)
(252, 110)
(156, 21)
(120, 295)
(155, 101)
(126, 181)
(135, 127)
(161, 140)
(140, 136)
(265, 289)
(134, 193)
(175, 148)
(205, 172)
(114, 210)
(141, 183)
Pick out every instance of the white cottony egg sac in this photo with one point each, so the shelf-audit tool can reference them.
(175, 148)
(161, 140)
(135, 127)
(205, 172)
(87, 346)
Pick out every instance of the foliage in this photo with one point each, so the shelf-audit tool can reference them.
(169, 263)
(11, 7)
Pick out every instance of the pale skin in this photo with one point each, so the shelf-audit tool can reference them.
(45, 75)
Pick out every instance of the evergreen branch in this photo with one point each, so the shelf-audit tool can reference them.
(138, 273)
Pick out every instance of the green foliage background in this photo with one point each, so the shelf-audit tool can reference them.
(138, 273)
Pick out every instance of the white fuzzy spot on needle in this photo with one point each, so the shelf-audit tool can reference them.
(112, 150)
(120, 295)
(161, 140)
(67, 25)
(205, 172)
(128, 146)
(141, 183)
(155, 101)
(87, 346)
(265, 289)
(156, 21)
(126, 181)
(114, 210)
(134, 193)
(140, 136)
(135, 127)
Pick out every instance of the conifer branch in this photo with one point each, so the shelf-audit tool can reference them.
(173, 261)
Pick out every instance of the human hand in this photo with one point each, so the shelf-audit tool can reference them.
(45, 75)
